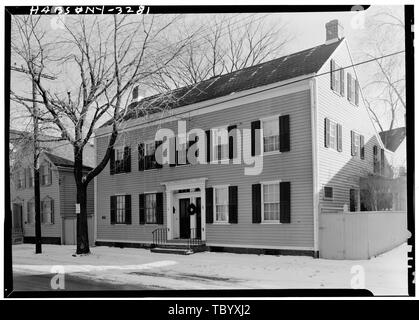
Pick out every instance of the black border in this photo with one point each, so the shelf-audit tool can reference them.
(8, 278)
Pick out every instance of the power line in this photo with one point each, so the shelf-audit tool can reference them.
(278, 86)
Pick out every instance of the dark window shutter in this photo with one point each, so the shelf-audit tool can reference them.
(361, 142)
(41, 211)
(256, 203)
(383, 162)
(208, 134)
(113, 209)
(232, 204)
(231, 140)
(158, 162)
(209, 200)
(255, 125)
(141, 156)
(339, 133)
(52, 211)
(284, 133)
(332, 74)
(356, 92)
(342, 82)
(112, 161)
(353, 151)
(349, 86)
(142, 208)
(326, 132)
(128, 209)
(49, 173)
(173, 153)
(159, 207)
(127, 159)
(285, 202)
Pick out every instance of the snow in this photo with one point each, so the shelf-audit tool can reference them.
(384, 275)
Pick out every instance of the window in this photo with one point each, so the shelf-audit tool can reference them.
(328, 193)
(221, 204)
(31, 178)
(353, 89)
(20, 181)
(182, 151)
(333, 135)
(220, 144)
(149, 149)
(119, 159)
(31, 212)
(46, 174)
(47, 210)
(270, 134)
(353, 200)
(150, 208)
(337, 78)
(375, 159)
(270, 199)
(120, 209)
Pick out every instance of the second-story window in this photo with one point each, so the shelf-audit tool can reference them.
(332, 135)
(149, 159)
(46, 174)
(337, 78)
(357, 145)
(31, 177)
(20, 180)
(270, 134)
(119, 159)
(220, 143)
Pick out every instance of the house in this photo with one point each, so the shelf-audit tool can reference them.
(298, 140)
(57, 189)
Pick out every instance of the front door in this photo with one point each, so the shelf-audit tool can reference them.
(184, 219)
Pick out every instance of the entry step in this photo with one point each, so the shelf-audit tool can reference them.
(181, 251)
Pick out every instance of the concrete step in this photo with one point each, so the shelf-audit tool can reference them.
(171, 250)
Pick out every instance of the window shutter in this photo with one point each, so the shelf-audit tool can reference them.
(231, 140)
(127, 159)
(113, 209)
(342, 82)
(353, 152)
(158, 161)
(361, 142)
(49, 173)
(332, 74)
(356, 92)
(173, 153)
(284, 133)
(382, 159)
(326, 132)
(141, 157)
(255, 125)
(52, 211)
(339, 133)
(285, 202)
(256, 203)
(128, 209)
(42, 211)
(112, 161)
(349, 86)
(232, 204)
(159, 207)
(209, 205)
(142, 208)
(208, 134)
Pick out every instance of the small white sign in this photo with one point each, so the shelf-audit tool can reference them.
(77, 208)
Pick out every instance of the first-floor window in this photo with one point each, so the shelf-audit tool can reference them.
(150, 208)
(270, 201)
(328, 193)
(31, 212)
(221, 204)
(47, 210)
(120, 209)
(270, 134)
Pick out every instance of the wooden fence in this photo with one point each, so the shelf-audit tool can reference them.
(361, 235)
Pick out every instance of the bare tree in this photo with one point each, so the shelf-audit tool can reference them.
(97, 59)
(385, 91)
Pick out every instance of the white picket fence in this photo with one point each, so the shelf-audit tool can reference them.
(360, 235)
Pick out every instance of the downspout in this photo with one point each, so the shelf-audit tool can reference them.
(315, 163)
(95, 195)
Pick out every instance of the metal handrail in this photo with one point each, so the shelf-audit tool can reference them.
(193, 240)
(159, 236)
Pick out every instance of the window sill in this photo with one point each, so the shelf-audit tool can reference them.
(269, 153)
(220, 223)
(221, 161)
(270, 222)
(328, 199)
(339, 94)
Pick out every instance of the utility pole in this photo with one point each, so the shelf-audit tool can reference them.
(37, 189)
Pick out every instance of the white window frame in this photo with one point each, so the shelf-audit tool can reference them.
(120, 196)
(184, 148)
(215, 188)
(214, 146)
(266, 119)
(46, 167)
(263, 184)
(46, 199)
(146, 195)
(357, 137)
(153, 143)
(324, 193)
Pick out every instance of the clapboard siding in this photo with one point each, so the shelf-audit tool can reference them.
(341, 170)
(294, 166)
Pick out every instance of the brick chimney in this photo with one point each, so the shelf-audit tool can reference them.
(334, 31)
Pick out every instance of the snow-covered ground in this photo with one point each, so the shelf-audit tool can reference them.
(383, 275)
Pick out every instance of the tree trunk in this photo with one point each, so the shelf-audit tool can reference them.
(38, 237)
(82, 227)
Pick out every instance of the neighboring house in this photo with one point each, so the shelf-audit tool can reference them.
(57, 189)
(395, 141)
(318, 140)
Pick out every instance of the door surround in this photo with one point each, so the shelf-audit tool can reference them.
(171, 187)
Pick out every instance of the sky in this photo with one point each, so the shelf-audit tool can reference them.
(307, 29)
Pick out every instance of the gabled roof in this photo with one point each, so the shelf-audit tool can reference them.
(393, 138)
(62, 162)
(287, 67)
